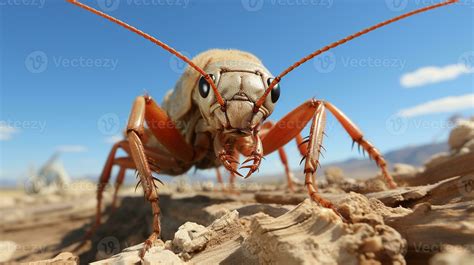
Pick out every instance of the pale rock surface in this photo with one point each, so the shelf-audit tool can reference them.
(64, 258)
(311, 234)
(461, 134)
(404, 169)
(453, 255)
(189, 238)
(469, 145)
(7, 249)
(158, 254)
(437, 159)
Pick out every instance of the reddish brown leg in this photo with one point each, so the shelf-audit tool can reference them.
(289, 174)
(291, 125)
(103, 182)
(219, 177)
(118, 184)
(165, 131)
(357, 137)
(220, 181)
(312, 157)
(281, 152)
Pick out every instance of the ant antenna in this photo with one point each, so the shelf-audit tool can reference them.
(342, 41)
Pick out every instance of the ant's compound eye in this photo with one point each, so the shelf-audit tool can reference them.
(275, 94)
(204, 86)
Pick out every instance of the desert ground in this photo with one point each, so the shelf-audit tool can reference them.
(428, 219)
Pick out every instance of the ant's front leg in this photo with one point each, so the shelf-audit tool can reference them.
(291, 125)
(165, 131)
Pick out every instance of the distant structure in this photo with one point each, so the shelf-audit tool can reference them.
(52, 177)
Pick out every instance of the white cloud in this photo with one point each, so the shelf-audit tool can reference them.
(71, 148)
(6, 131)
(447, 104)
(113, 139)
(433, 74)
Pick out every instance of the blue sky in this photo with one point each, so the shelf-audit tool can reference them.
(68, 77)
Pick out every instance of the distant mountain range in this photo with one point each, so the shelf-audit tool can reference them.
(364, 168)
(413, 155)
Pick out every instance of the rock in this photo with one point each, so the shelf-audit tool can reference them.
(65, 258)
(188, 237)
(469, 145)
(207, 186)
(335, 176)
(245, 209)
(462, 133)
(155, 255)
(223, 241)
(437, 159)
(404, 169)
(192, 237)
(161, 256)
(311, 234)
(7, 202)
(443, 167)
(431, 226)
(373, 185)
(7, 249)
(453, 255)
(464, 150)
